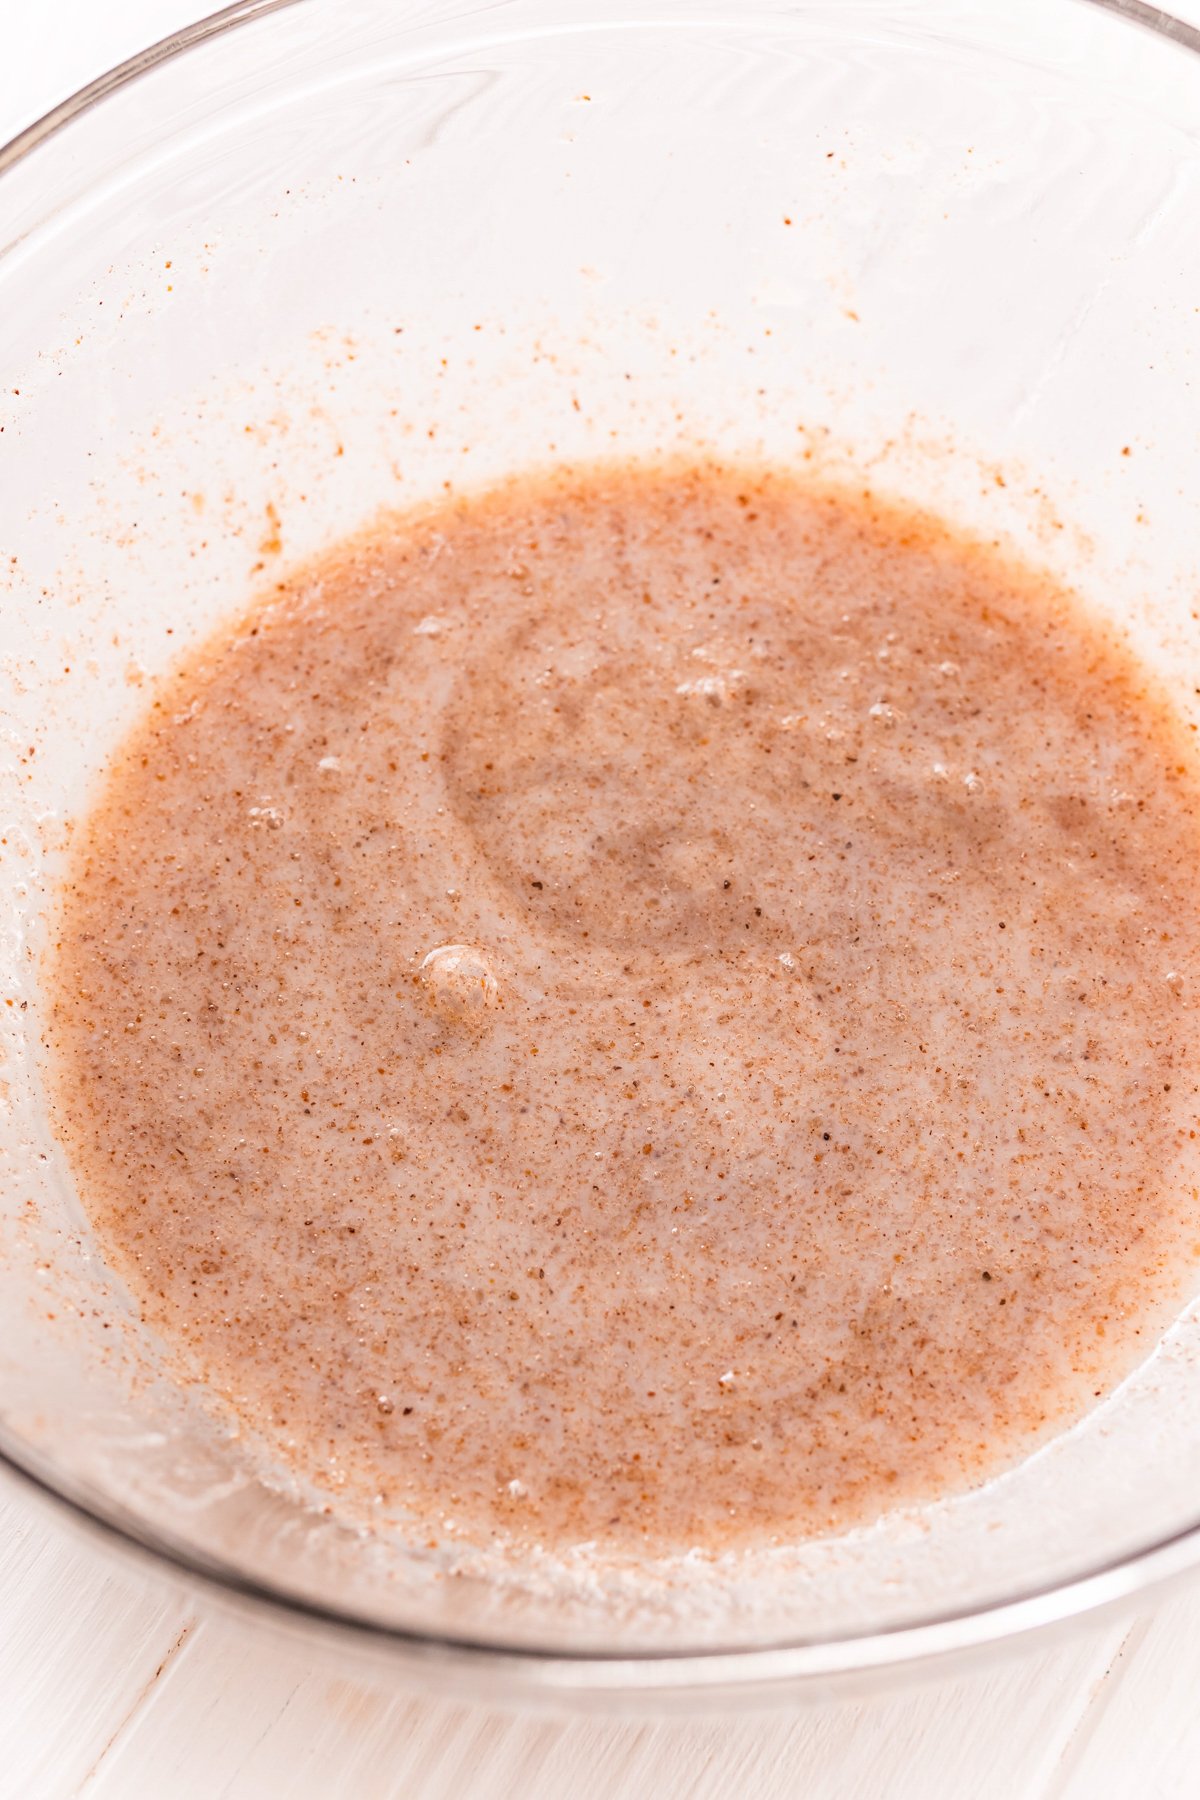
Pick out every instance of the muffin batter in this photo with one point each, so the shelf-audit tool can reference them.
(652, 1006)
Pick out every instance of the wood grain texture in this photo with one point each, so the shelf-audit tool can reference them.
(113, 1687)
(80, 1646)
(1141, 1736)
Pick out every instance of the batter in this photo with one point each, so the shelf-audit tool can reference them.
(653, 1006)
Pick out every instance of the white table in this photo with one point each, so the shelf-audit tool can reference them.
(115, 1687)
(114, 1684)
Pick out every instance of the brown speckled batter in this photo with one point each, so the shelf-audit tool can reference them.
(654, 1007)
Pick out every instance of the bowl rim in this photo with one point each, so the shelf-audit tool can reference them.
(766, 1669)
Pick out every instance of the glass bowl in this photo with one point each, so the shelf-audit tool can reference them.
(309, 257)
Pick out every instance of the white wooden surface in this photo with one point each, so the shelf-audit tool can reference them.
(116, 1686)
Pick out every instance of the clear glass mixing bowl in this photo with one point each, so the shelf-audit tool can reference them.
(306, 258)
